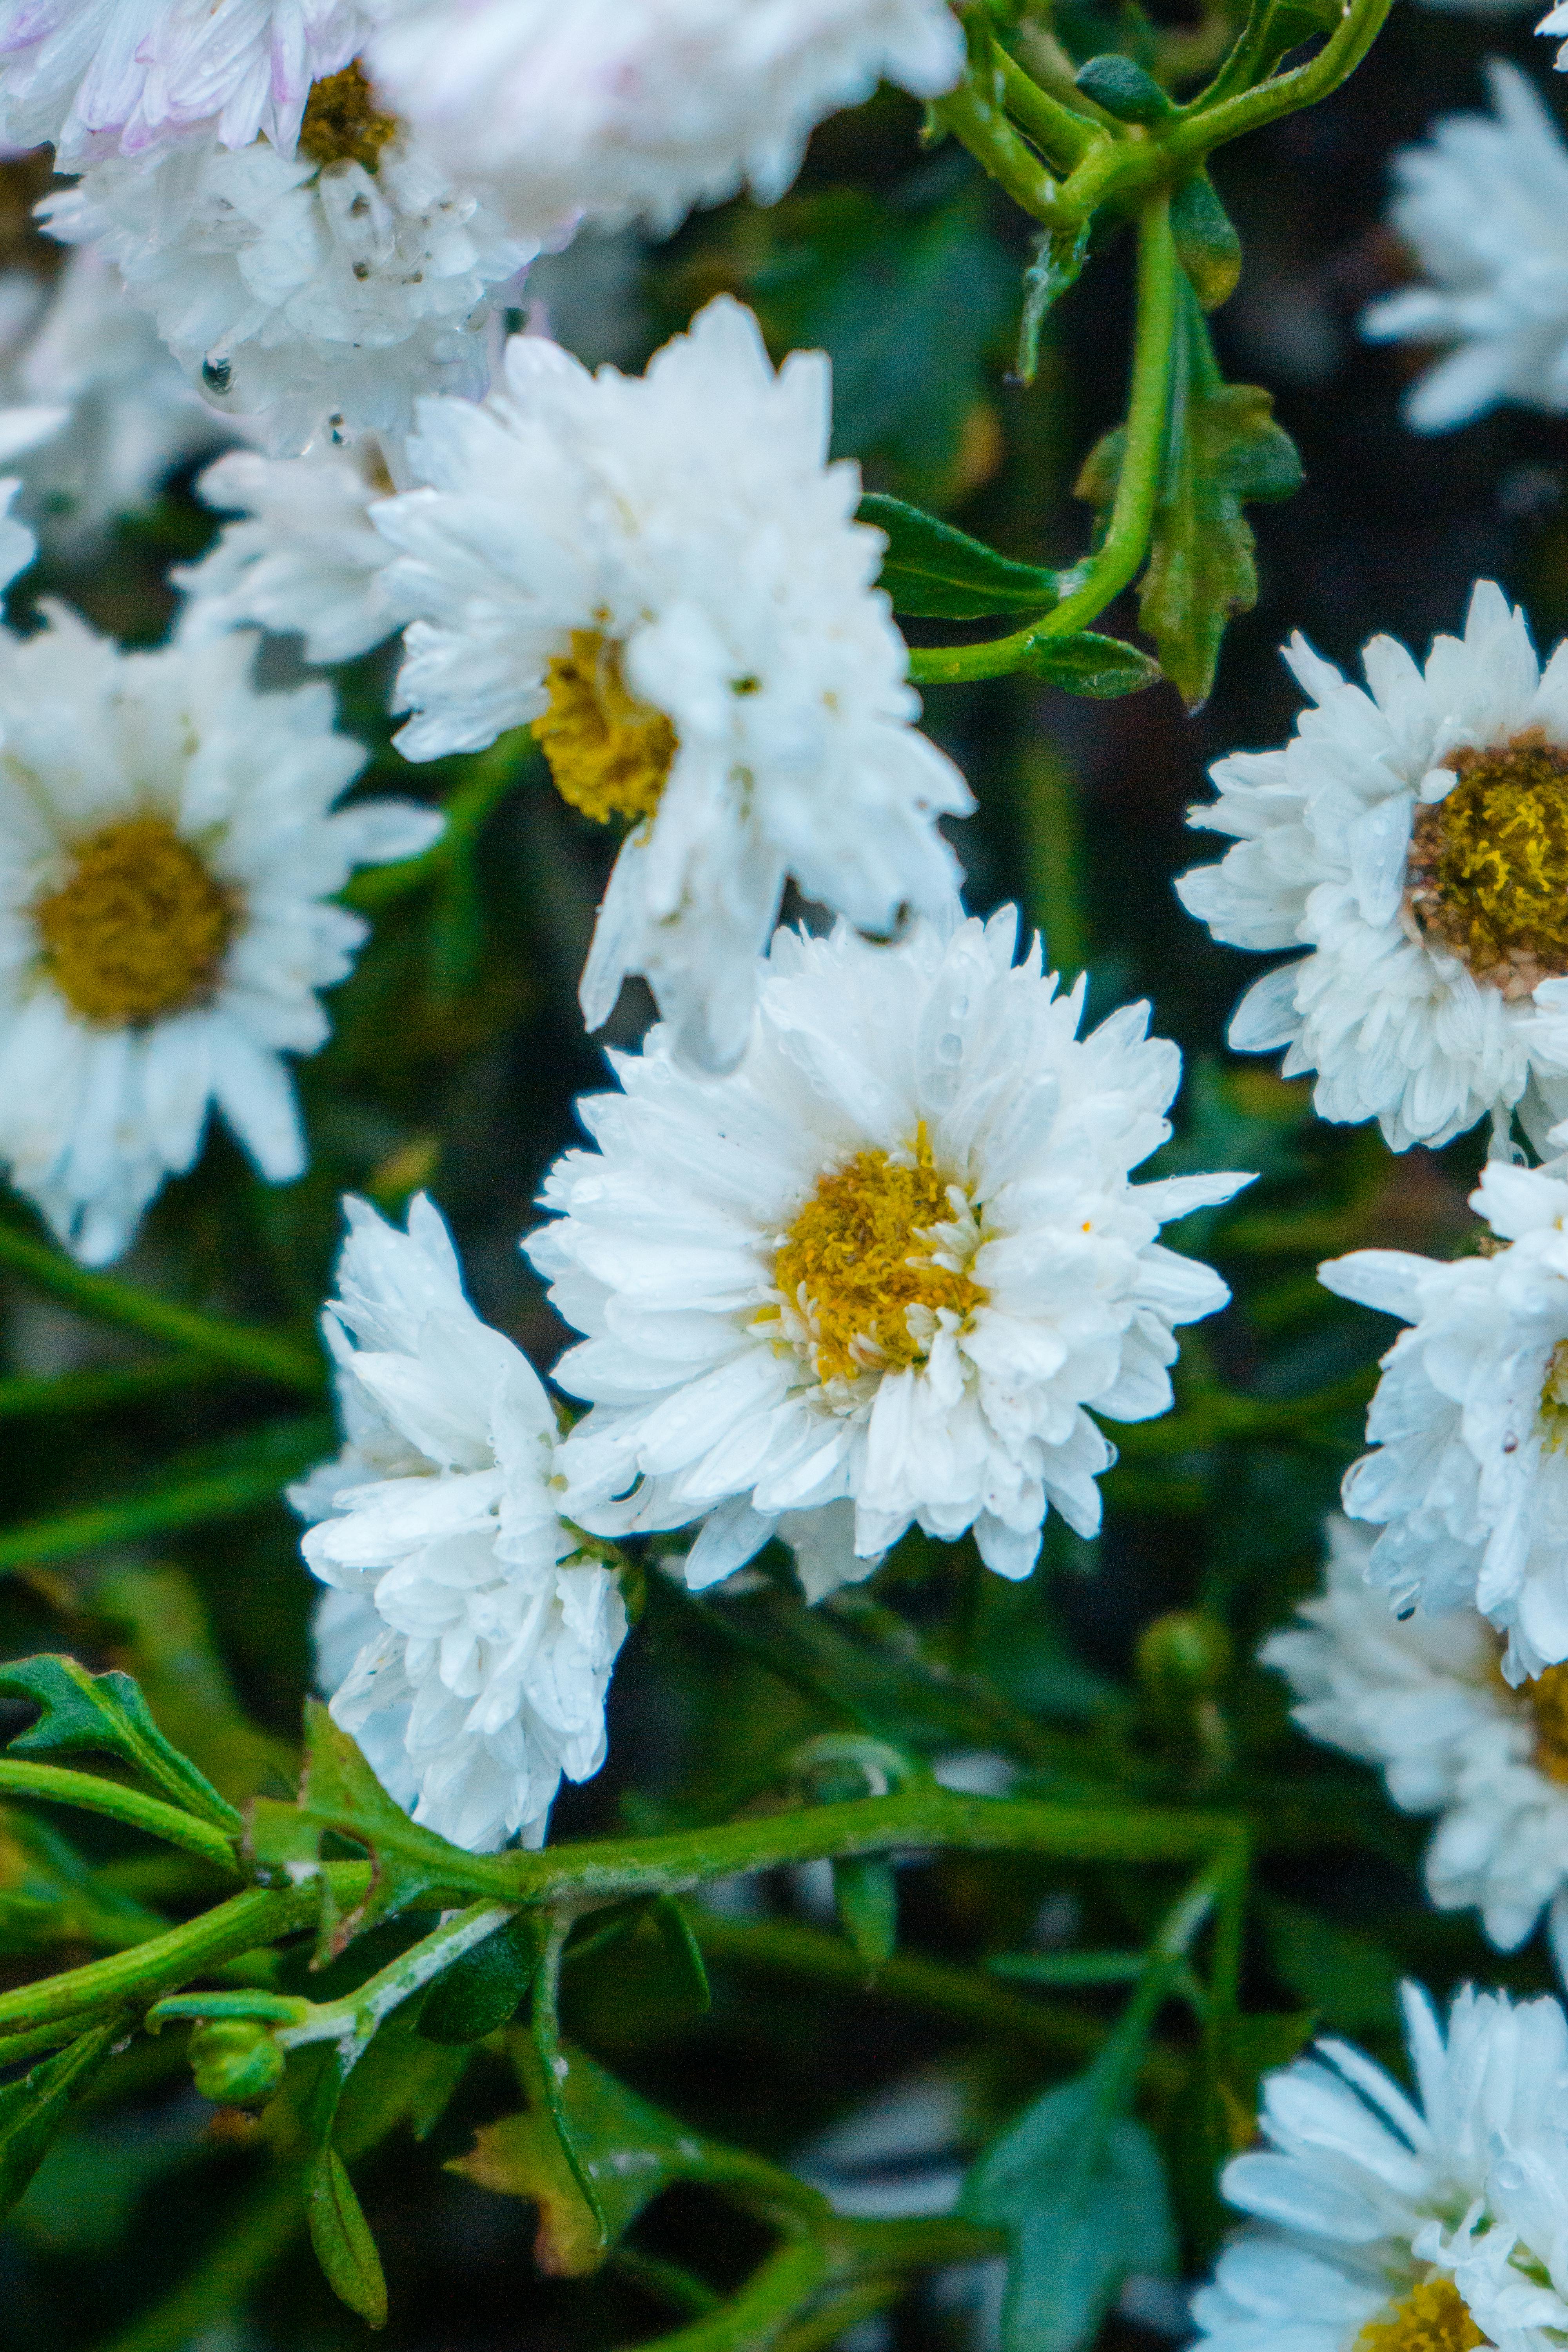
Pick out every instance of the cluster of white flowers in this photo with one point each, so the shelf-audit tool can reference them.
(1388, 2222)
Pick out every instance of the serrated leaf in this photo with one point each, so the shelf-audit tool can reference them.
(483, 1990)
(1100, 669)
(340, 2236)
(1081, 2193)
(1227, 449)
(33, 2111)
(410, 1866)
(866, 1891)
(631, 2150)
(934, 572)
(107, 1714)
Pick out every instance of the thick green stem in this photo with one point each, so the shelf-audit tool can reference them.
(354, 2019)
(266, 1355)
(22, 1778)
(1010, 161)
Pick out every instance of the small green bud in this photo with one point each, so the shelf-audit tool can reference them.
(1182, 1656)
(236, 2062)
(1123, 89)
(1208, 245)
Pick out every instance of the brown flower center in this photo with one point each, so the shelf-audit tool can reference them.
(609, 754)
(1433, 2317)
(862, 1267)
(342, 123)
(1488, 874)
(140, 929)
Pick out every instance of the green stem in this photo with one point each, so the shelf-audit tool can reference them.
(831, 2322)
(1207, 123)
(26, 1397)
(227, 2274)
(468, 810)
(1062, 134)
(985, 129)
(754, 2319)
(354, 2019)
(22, 1778)
(664, 2281)
(266, 1355)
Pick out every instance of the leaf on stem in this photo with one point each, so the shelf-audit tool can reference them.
(867, 1893)
(1225, 449)
(631, 2150)
(1208, 245)
(338, 1791)
(932, 571)
(483, 1989)
(340, 2236)
(1101, 668)
(35, 2109)
(1079, 2189)
(107, 1714)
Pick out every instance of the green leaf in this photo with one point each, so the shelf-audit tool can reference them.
(867, 1893)
(1208, 245)
(631, 2150)
(483, 1990)
(1123, 89)
(1059, 258)
(107, 1714)
(411, 1867)
(340, 2236)
(1098, 668)
(934, 572)
(35, 2109)
(681, 1943)
(1081, 2194)
(1225, 449)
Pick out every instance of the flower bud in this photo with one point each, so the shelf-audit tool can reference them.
(236, 2060)
(1182, 1656)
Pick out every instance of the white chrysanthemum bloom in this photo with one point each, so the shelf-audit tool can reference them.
(1485, 207)
(305, 558)
(665, 575)
(80, 351)
(1388, 2224)
(1556, 21)
(483, 1635)
(336, 284)
(1413, 838)
(879, 1274)
(1469, 1480)
(99, 75)
(1423, 1698)
(625, 110)
(169, 847)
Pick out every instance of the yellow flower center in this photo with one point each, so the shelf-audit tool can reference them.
(1433, 2317)
(342, 123)
(1488, 876)
(1547, 1700)
(140, 929)
(864, 1270)
(609, 754)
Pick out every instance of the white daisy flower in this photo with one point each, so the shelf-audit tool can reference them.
(1422, 1696)
(99, 75)
(1485, 207)
(880, 1271)
(1413, 838)
(1387, 2224)
(336, 284)
(79, 351)
(626, 109)
(306, 558)
(665, 575)
(1469, 1480)
(169, 849)
(483, 1633)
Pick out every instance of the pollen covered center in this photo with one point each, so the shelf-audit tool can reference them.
(873, 1259)
(1433, 2317)
(609, 754)
(140, 929)
(1488, 876)
(342, 123)
(1547, 1700)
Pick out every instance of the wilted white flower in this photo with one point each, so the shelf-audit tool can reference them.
(126, 417)
(665, 575)
(468, 1641)
(335, 284)
(1394, 2225)
(98, 76)
(878, 1274)
(640, 109)
(1422, 1696)
(307, 558)
(168, 851)
(1413, 838)
(1469, 1480)
(1484, 206)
